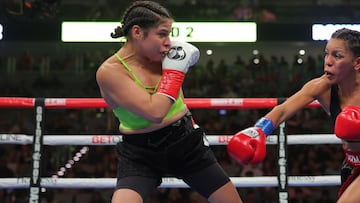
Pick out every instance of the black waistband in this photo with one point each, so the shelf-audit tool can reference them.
(161, 136)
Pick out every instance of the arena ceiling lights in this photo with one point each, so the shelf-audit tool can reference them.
(186, 31)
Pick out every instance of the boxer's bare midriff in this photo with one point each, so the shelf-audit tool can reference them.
(157, 126)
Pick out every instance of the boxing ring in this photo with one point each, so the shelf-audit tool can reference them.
(36, 181)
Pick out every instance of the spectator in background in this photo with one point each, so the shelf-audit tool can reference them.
(96, 197)
(267, 16)
(243, 14)
(25, 61)
(325, 197)
(5, 171)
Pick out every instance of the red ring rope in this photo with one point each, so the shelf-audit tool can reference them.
(211, 103)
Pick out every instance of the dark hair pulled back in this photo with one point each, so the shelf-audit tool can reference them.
(145, 14)
(350, 37)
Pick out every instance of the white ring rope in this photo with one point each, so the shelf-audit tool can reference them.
(259, 181)
(113, 139)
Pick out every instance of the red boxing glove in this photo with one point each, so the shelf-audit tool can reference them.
(248, 146)
(347, 124)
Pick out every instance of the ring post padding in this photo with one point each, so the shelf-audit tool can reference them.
(37, 155)
(282, 175)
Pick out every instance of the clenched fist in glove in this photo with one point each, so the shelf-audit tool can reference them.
(347, 127)
(249, 146)
(347, 124)
(175, 64)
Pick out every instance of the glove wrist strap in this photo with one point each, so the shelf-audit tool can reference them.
(170, 83)
(265, 125)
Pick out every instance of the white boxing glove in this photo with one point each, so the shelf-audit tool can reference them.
(181, 56)
(175, 65)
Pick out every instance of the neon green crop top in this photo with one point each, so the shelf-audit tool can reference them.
(130, 121)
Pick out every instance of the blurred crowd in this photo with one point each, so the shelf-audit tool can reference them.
(255, 77)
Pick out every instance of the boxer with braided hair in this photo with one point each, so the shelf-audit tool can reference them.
(142, 84)
(338, 92)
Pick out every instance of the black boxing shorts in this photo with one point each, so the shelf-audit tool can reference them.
(178, 150)
(348, 174)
